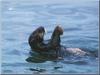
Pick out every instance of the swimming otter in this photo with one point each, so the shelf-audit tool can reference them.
(60, 49)
(36, 40)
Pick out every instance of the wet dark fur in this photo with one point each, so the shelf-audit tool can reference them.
(37, 44)
(36, 40)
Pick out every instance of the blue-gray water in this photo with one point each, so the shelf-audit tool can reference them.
(78, 18)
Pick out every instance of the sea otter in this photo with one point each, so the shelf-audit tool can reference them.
(53, 47)
(61, 50)
(36, 39)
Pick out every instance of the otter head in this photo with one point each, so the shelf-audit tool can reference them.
(58, 30)
(40, 31)
(37, 35)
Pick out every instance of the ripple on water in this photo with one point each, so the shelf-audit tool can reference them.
(77, 60)
(14, 52)
(72, 29)
(11, 39)
(62, 11)
(7, 71)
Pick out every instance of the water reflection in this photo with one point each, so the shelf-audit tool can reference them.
(40, 58)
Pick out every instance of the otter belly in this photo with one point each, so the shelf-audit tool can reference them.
(76, 51)
(65, 52)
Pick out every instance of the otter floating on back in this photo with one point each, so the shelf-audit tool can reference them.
(53, 47)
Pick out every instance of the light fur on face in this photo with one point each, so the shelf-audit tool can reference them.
(45, 31)
(41, 35)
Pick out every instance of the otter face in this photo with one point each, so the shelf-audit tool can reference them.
(59, 30)
(40, 32)
(37, 35)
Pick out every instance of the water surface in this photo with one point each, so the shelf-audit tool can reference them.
(79, 19)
